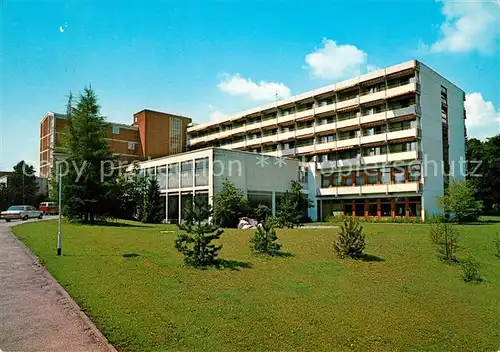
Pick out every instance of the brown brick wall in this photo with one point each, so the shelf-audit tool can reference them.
(154, 132)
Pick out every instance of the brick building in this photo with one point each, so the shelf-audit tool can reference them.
(152, 134)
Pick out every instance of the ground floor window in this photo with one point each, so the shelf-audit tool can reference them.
(255, 198)
(360, 207)
(372, 208)
(383, 207)
(173, 207)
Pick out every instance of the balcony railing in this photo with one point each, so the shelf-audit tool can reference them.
(369, 189)
(394, 90)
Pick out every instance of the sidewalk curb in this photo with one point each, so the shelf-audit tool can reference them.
(94, 331)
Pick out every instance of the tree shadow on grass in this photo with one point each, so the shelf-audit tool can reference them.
(130, 255)
(232, 264)
(370, 258)
(285, 254)
(482, 222)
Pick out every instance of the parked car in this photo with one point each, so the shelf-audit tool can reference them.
(21, 212)
(49, 208)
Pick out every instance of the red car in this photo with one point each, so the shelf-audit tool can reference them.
(49, 208)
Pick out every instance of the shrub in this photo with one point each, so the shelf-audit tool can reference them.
(351, 241)
(445, 237)
(262, 212)
(496, 243)
(195, 242)
(290, 209)
(459, 201)
(264, 240)
(470, 270)
(229, 205)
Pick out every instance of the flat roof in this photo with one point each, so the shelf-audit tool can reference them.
(201, 150)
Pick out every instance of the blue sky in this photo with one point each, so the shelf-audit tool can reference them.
(205, 59)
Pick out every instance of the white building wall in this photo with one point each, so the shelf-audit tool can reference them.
(246, 171)
(432, 140)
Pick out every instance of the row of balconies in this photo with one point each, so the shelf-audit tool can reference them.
(315, 147)
(365, 160)
(388, 93)
(369, 189)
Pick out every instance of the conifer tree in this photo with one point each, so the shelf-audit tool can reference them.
(351, 241)
(264, 240)
(198, 233)
(153, 211)
(88, 179)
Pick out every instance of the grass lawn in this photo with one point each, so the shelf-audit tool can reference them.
(405, 300)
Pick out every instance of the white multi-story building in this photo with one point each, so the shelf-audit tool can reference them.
(380, 144)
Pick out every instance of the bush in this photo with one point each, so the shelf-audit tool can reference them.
(264, 241)
(470, 270)
(262, 212)
(290, 209)
(459, 201)
(230, 205)
(496, 244)
(351, 241)
(195, 240)
(445, 237)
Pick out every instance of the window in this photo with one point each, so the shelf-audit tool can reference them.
(360, 179)
(187, 174)
(372, 176)
(131, 145)
(414, 173)
(161, 176)
(399, 175)
(414, 206)
(400, 207)
(348, 180)
(116, 129)
(173, 176)
(201, 172)
(175, 136)
(303, 175)
(385, 207)
(385, 175)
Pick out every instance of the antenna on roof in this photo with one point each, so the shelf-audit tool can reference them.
(276, 95)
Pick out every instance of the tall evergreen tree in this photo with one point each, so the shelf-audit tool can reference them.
(153, 211)
(87, 183)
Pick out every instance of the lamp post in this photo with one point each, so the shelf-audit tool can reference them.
(59, 159)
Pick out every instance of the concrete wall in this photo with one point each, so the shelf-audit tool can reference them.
(432, 141)
(246, 172)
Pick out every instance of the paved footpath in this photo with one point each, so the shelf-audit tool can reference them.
(36, 314)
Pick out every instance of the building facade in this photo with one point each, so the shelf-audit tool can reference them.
(153, 134)
(379, 145)
(202, 173)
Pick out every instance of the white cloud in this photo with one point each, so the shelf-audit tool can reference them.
(483, 120)
(469, 25)
(216, 114)
(265, 91)
(336, 62)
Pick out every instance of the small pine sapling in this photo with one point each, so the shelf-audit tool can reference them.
(351, 241)
(264, 240)
(195, 240)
